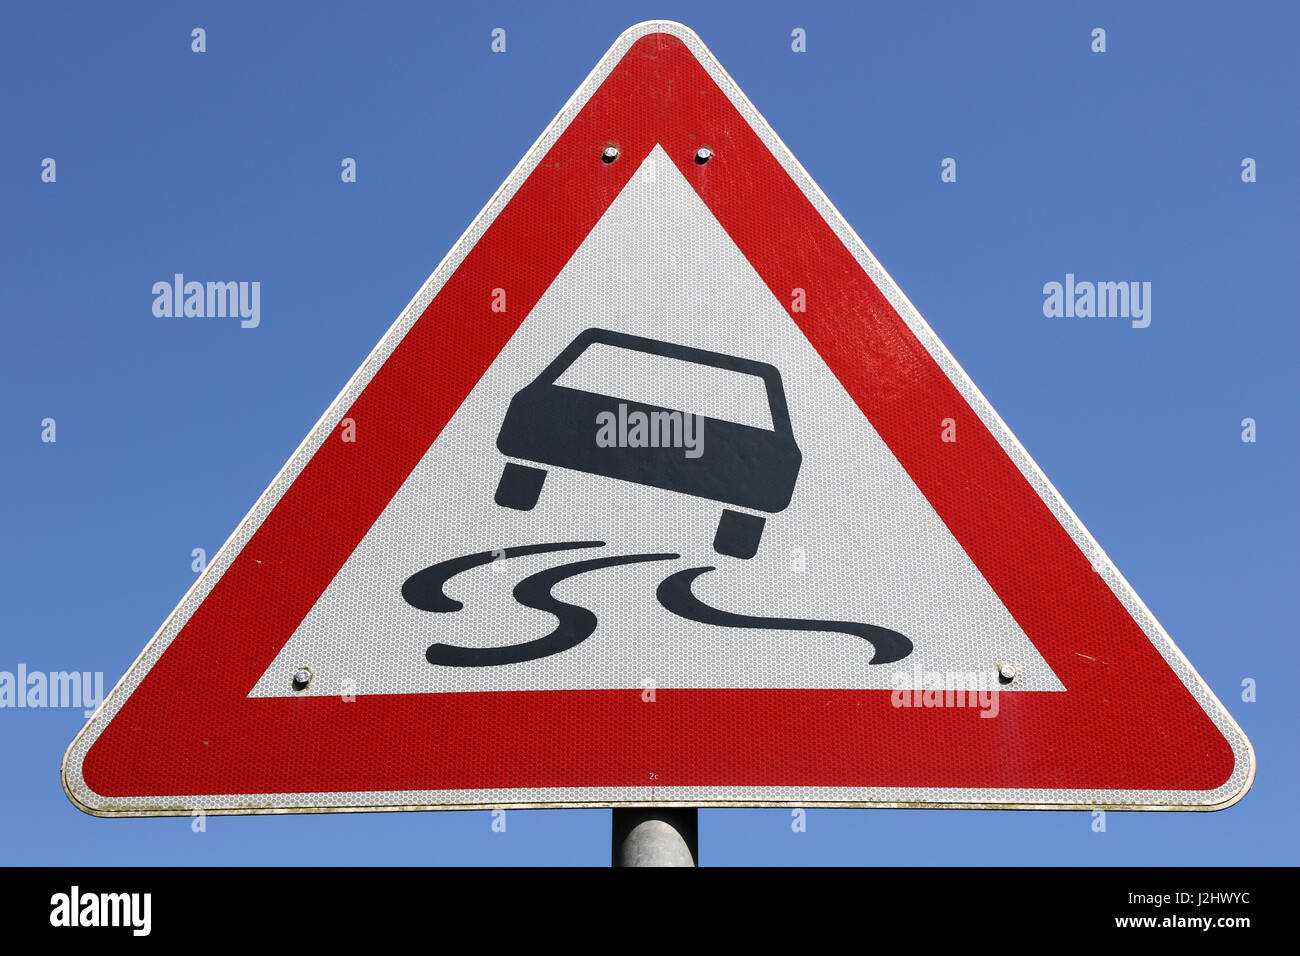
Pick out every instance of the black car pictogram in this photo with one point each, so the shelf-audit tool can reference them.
(742, 465)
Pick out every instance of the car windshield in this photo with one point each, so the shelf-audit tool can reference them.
(672, 383)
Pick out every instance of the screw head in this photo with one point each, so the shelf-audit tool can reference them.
(1008, 672)
(301, 678)
(703, 155)
(609, 155)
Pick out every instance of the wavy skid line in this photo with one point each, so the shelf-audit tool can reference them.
(575, 625)
(425, 590)
(675, 594)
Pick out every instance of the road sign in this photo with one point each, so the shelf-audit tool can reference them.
(659, 492)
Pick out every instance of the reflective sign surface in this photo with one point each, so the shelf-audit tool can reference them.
(659, 491)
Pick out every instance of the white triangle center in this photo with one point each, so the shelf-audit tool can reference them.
(857, 543)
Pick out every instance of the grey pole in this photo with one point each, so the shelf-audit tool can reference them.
(656, 836)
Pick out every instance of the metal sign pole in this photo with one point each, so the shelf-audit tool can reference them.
(662, 836)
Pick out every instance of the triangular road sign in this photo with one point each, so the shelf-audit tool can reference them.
(659, 491)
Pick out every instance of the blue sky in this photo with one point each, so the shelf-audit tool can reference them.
(1123, 165)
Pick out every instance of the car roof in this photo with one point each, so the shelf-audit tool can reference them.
(770, 375)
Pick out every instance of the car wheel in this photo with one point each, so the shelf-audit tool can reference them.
(738, 534)
(520, 486)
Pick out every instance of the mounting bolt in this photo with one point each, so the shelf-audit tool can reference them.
(703, 155)
(301, 678)
(609, 155)
(1007, 672)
